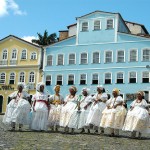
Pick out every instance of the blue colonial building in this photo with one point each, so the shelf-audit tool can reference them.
(100, 48)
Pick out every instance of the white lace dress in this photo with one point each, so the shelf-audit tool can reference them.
(55, 109)
(39, 111)
(18, 109)
(137, 118)
(95, 114)
(67, 110)
(79, 117)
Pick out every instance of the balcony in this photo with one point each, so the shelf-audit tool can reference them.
(30, 86)
(13, 62)
(3, 62)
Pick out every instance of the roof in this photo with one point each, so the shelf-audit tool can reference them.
(63, 31)
(71, 25)
(13, 36)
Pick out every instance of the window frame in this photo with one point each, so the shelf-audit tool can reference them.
(93, 57)
(94, 25)
(47, 60)
(129, 56)
(105, 56)
(110, 78)
(49, 80)
(19, 76)
(73, 79)
(74, 58)
(142, 54)
(129, 76)
(86, 58)
(14, 77)
(35, 55)
(142, 76)
(57, 60)
(82, 26)
(12, 54)
(31, 78)
(2, 79)
(6, 54)
(85, 78)
(92, 78)
(122, 78)
(26, 54)
(107, 23)
(123, 57)
(57, 80)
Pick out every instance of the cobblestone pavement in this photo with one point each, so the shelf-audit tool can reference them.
(27, 140)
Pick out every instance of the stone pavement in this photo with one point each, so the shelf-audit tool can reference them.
(27, 140)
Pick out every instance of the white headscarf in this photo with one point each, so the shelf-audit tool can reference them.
(87, 90)
(38, 86)
(21, 84)
(100, 87)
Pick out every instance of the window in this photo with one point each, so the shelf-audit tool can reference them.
(97, 25)
(95, 78)
(110, 23)
(107, 78)
(33, 55)
(5, 54)
(145, 77)
(31, 77)
(21, 77)
(59, 80)
(85, 26)
(71, 59)
(14, 54)
(2, 78)
(83, 79)
(146, 55)
(84, 58)
(48, 80)
(132, 77)
(120, 56)
(108, 57)
(24, 54)
(12, 78)
(96, 58)
(60, 59)
(133, 55)
(70, 79)
(119, 77)
(49, 60)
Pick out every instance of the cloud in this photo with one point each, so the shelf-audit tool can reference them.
(29, 38)
(7, 5)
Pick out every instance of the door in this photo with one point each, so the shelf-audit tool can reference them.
(1, 103)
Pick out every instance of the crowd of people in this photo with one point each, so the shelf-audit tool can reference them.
(84, 112)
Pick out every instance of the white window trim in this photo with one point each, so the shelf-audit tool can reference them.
(129, 76)
(142, 75)
(92, 77)
(100, 24)
(117, 56)
(142, 53)
(104, 77)
(113, 23)
(116, 77)
(57, 59)
(75, 58)
(68, 77)
(99, 57)
(26, 54)
(105, 56)
(29, 76)
(3, 52)
(16, 53)
(51, 78)
(81, 26)
(31, 55)
(56, 78)
(80, 78)
(14, 77)
(52, 59)
(5, 78)
(24, 76)
(80, 58)
(136, 56)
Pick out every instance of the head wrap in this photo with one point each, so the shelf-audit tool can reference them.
(56, 86)
(141, 93)
(38, 86)
(21, 84)
(87, 90)
(116, 90)
(73, 88)
(100, 87)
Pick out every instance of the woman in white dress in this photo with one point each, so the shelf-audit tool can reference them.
(68, 108)
(137, 119)
(40, 109)
(18, 109)
(114, 114)
(56, 102)
(79, 116)
(99, 104)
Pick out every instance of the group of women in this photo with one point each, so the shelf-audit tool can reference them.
(83, 111)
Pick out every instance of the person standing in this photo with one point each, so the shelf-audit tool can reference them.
(114, 114)
(98, 105)
(40, 109)
(137, 119)
(17, 111)
(56, 102)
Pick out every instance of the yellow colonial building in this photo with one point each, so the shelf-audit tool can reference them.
(20, 61)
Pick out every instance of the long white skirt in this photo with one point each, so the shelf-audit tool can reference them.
(95, 114)
(113, 118)
(66, 113)
(54, 115)
(137, 120)
(17, 112)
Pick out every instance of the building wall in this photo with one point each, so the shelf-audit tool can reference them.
(72, 30)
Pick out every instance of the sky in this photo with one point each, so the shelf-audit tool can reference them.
(24, 18)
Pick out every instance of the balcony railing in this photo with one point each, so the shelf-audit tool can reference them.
(13, 62)
(3, 62)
